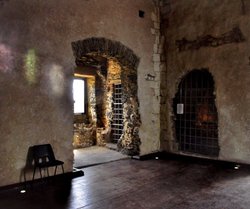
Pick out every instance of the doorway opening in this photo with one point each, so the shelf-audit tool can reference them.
(112, 115)
(196, 123)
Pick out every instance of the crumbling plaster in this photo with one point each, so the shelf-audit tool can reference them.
(229, 65)
(40, 111)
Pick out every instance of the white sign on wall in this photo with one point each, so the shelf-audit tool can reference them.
(180, 109)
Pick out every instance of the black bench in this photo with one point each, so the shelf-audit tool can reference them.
(44, 158)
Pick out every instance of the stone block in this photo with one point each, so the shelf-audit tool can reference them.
(157, 32)
(157, 39)
(157, 76)
(157, 66)
(156, 25)
(156, 57)
(100, 138)
(160, 48)
(154, 17)
(155, 48)
(83, 136)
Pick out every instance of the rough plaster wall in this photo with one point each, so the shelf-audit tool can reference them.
(229, 65)
(40, 111)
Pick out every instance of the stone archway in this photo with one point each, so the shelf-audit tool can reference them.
(95, 52)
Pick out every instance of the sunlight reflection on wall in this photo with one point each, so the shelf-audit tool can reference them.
(31, 66)
(6, 58)
(56, 80)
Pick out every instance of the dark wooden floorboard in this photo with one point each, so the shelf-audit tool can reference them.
(133, 184)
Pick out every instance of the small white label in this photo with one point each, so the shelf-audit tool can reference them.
(180, 108)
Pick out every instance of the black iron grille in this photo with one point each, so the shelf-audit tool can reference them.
(197, 127)
(117, 124)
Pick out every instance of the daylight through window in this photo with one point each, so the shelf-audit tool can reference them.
(78, 95)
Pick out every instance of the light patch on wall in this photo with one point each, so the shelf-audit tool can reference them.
(6, 58)
(31, 66)
(56, 80)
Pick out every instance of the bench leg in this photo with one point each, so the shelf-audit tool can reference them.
(47, 171)
(34, 171)
(41, 176)
(55, 170)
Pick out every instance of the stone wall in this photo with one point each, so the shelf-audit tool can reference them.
(91, 100)
(37, 66)
(129, 142)
(113, 76)
(211, 35)
(84, 135)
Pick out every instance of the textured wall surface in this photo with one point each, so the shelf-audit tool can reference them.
(37, 64)
(200, 26)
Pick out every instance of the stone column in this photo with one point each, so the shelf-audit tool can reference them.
(129, 142)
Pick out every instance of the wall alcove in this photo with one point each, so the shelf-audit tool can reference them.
(196, 118)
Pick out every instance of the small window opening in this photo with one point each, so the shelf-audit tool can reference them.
(141, 13)
(79, 95)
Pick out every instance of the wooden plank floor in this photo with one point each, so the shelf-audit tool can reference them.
(134, 184)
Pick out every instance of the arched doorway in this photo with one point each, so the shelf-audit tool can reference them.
(196, 123)
(110, 69)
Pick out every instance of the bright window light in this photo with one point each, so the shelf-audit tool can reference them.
(78, 95)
